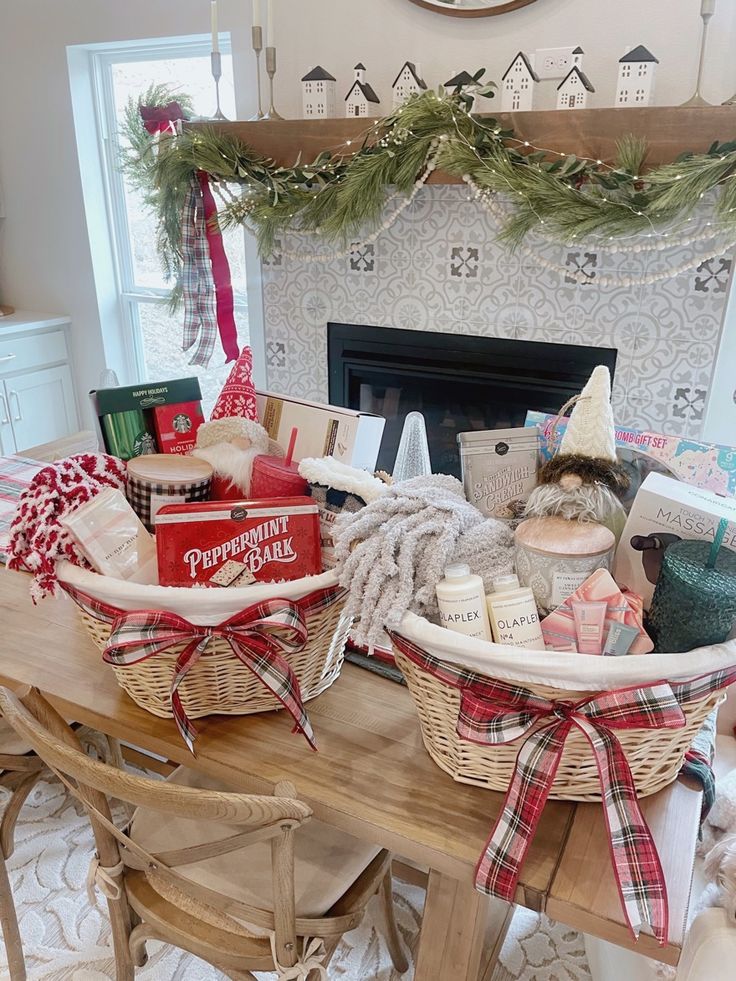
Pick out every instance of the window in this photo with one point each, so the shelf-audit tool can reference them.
(516, 101)
(642, 70)
(626, 71)
(155, 336)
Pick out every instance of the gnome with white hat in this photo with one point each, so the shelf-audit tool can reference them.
(584, 480)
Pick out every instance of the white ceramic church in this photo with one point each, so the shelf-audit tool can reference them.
(636, 73)
(361, 100)
(408, 82)
(517, 85)
(318, 94)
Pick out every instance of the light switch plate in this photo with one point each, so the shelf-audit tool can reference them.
(553, 62)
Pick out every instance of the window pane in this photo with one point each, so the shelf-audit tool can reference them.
(193, 76)
(164, 359)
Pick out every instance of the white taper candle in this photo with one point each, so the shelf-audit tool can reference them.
(269, 25)
(256, 13)
(213, 23)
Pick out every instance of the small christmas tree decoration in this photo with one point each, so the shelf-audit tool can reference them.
(636, 74)
(361, 99)
(318, 94)
(412, 458)
(572, 92)
(583, 480)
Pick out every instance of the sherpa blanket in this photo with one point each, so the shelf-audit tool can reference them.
(393, 552)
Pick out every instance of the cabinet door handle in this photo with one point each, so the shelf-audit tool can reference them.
(19, 416)
(7, 357)
(5, 418)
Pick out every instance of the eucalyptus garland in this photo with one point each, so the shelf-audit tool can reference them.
(339, 197)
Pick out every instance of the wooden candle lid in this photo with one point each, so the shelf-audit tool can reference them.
(169, 468)
(558, 536)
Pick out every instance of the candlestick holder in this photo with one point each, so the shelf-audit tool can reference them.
(216, 63)
(257, 38)
(271, 71)
(697, 100)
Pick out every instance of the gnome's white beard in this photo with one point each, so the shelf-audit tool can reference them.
(589, 502)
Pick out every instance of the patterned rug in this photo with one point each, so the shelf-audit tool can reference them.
(65, 939)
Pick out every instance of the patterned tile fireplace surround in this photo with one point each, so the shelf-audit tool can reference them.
(440, 268)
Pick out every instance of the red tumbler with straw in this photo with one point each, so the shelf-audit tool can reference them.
(275, 476)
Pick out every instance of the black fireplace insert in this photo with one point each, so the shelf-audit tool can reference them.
(458, 382)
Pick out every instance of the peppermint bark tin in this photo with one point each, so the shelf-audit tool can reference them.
(162, 478)
(275, 540)
(499, 469)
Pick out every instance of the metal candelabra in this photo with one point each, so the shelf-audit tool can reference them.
(216, 62)
(706, 12)
(271, 71)
(257, 36)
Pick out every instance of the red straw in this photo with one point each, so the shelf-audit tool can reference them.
(292, 443)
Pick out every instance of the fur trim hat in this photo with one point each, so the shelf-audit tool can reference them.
(591, 431)
(230, 428)
(329, 472)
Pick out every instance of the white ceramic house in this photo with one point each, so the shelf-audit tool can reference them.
(636, 73)
(517, 85)
(572, 92)
(318, 94)
(361, 100)
(408, 82)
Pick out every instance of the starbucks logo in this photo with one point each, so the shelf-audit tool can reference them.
(182, 423)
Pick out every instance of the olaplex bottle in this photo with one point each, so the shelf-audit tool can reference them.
(462, 602)
(513, 614)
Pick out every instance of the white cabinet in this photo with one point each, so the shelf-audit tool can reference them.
(37, 402)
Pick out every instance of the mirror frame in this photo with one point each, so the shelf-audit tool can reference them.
(449, 11)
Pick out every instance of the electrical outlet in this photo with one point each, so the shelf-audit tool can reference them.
(553, 62)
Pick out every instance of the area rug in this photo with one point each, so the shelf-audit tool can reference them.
(65, 939)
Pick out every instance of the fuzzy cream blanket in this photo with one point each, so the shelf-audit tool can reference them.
(392, 553)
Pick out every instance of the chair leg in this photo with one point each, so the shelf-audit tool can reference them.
(9, 923)
(393, 937)
(12, 810)
(137, 943)
(119, 911)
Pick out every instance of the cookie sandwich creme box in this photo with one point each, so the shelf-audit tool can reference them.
(234, 543)
(348, 435)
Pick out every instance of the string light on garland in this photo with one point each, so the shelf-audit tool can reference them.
(349, 197)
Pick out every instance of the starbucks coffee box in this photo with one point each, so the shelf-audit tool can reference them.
(348, 435)
(666, 511)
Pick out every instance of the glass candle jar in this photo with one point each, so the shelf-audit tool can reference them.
(693, 604)
(555, 556)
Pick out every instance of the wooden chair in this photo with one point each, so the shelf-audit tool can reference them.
(245, 882)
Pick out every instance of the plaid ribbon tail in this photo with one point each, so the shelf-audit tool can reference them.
(498, 870)
(186, 660)
(637, 867)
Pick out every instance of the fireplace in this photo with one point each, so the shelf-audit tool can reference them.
(458, 382)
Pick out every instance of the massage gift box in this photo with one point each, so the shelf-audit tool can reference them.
(665, 511)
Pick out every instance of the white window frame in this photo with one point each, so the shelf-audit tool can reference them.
(130, 295)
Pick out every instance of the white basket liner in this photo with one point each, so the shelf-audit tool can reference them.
(205, 607)
(574, 672)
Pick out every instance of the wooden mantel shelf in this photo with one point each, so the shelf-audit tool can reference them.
(593, 133)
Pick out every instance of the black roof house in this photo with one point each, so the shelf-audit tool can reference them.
(581, 75)
(526, 62)
(366, 89)
(413, 69)
(318, 74)
(578, 51)
(462, 78)
(639, 53)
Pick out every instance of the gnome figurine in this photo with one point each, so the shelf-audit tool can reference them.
(584, 480)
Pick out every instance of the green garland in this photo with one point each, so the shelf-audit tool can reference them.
(341, 198)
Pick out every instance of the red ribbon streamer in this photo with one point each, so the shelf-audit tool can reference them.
(220, 273)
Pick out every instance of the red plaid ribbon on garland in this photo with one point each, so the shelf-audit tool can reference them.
(258, 636)
(198, 285)
(495, 712)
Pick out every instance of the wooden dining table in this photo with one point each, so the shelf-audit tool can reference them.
(371, 777)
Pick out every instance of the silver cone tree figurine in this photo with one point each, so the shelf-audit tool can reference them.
(412, 457)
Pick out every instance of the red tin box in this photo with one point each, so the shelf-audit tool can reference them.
(177, 425)
(274, 540)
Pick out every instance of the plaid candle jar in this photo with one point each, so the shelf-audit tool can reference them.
(160, 479)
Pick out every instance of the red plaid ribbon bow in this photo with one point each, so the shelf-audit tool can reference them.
(494, 712)
(258, 636)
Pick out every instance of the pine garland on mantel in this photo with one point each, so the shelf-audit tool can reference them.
(340, 198)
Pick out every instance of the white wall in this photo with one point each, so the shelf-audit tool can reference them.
(45, 261)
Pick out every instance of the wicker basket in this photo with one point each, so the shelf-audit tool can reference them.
(219, 683)
(655, 756)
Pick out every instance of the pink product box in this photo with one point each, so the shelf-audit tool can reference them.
(558, 629)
